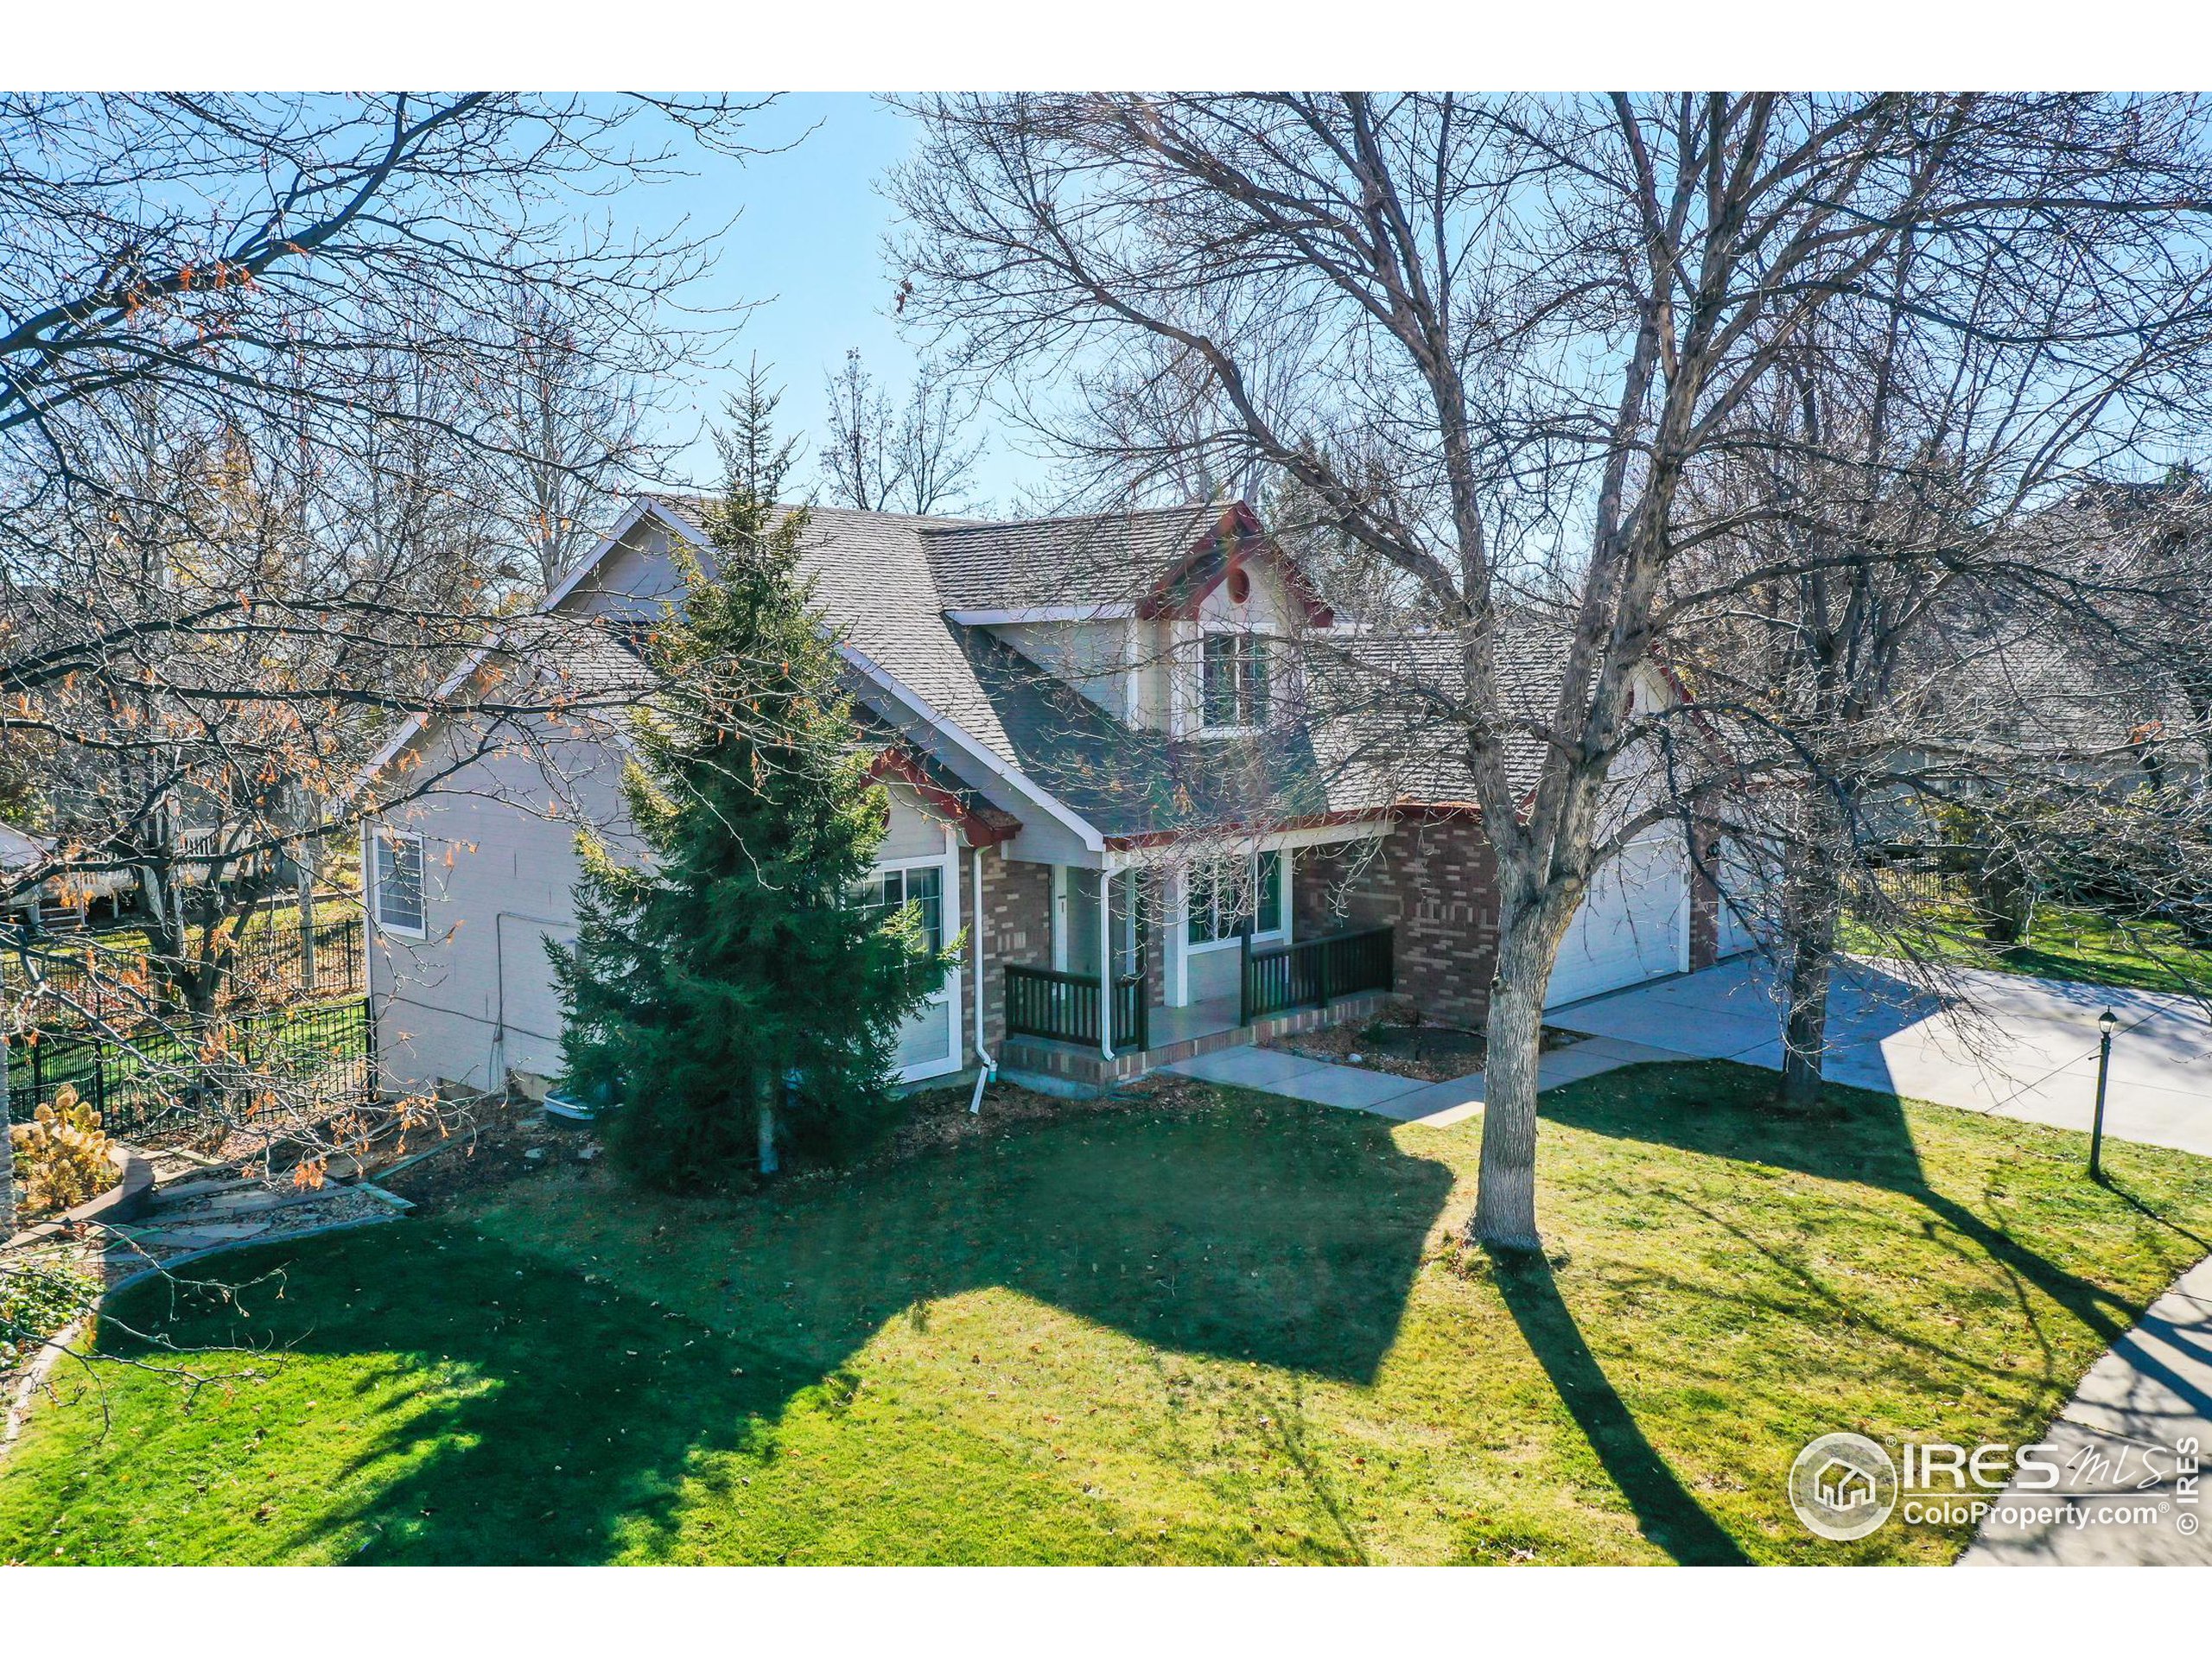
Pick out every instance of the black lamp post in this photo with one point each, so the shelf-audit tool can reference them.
(2107, 1022)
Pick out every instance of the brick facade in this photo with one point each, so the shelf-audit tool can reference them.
(1152, 888)
(1017, 927)
(1705, 912)
(1433, 879)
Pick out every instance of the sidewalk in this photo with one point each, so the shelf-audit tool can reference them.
(2115, 1443)
(1432, 1105)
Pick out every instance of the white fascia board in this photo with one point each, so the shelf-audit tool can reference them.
(1014, 780)
(1154, 854)
(1001, 619)
(416, 724)
(642, 507)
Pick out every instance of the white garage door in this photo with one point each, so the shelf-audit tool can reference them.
(1633, 925)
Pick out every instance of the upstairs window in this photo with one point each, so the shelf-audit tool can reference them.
(922, 886)
(399, 881)
(1233, 687)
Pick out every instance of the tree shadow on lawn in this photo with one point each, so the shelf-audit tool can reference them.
(577, 1410)
(1669, 1516)
(1726, 1111)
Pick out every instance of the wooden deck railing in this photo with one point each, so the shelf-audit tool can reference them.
(1064, 1007)
(1313, 973)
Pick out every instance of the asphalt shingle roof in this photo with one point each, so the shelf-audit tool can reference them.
(1388, 719)
(1381, 732)
(1097, 559)
(1130, 782)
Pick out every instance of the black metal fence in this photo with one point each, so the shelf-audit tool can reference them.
(1918, 886)
(1064, 1007)
(1313, 973)
(316, 1058)
(85, 980)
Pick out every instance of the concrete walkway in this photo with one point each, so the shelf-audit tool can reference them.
(2001, 1042)
(1433, 1105)
(2125, 1496)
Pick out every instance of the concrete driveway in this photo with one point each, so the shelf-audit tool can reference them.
(2021, 1047)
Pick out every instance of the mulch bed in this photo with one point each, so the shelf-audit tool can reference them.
(496, 1141)
(504, 1142)
(1426, 1053)
(942, 1119)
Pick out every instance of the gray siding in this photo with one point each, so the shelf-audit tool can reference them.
(474, 1001)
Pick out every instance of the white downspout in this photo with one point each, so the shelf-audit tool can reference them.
(1106, 960)
(990, 1067)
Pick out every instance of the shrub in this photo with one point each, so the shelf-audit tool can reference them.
(35, 1301)
(61, 1157)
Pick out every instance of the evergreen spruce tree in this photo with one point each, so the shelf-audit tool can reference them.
(728, 989)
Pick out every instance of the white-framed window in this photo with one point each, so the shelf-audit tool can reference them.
(919, 884)
(1227, 902)
(1234, 680)
(930, 1041)
(398, 878)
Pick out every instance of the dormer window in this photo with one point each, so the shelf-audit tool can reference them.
(1233, 684)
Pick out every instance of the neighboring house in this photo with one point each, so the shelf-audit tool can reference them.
(1101, 759)
(58, 902)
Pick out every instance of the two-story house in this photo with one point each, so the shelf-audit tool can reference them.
(1101, 763)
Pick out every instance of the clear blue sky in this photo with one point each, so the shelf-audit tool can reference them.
(807, 253)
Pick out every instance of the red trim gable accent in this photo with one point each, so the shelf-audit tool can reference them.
(974, 829)
(1237, 539)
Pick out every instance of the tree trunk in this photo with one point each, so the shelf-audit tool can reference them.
(1805, 1019)
(1812, 905)
(765, 1092)
(1505, 1199)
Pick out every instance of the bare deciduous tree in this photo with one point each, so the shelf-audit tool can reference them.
(1530, 325)
(258, 379)
(913, 457)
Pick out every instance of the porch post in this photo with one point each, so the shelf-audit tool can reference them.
(1175, 938)
(1106, 960)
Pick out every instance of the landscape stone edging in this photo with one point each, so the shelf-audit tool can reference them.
(56, 1345)
(228, 1245)
(126, 1200)
(42, 1366)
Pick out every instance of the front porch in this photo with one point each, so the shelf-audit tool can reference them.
(1065, 1028)
(1063, 1067)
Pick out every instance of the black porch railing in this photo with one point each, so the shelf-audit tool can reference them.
(1313, 973)
(1064, 1007)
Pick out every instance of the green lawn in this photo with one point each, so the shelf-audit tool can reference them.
(1235, 1334)
(2073, 945)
